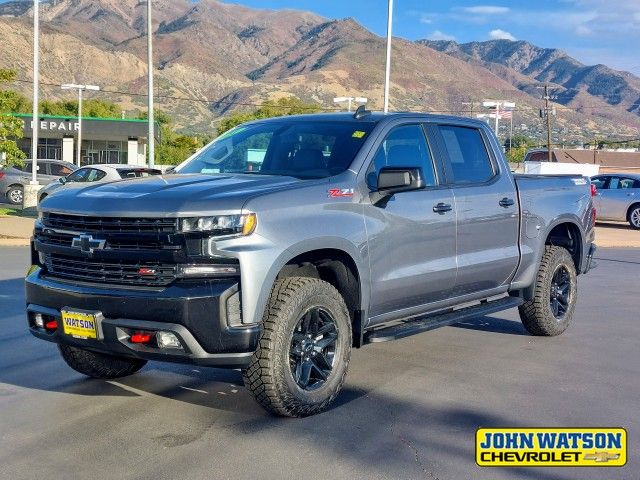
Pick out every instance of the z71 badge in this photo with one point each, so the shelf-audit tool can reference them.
(340, 192)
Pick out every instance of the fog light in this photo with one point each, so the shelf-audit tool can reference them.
(168, 340)
(39, 320)
(52, 325)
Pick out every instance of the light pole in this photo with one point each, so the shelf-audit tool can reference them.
(497, 106)
(36, 92)
(349, 100)
(150, 119)
(80, 88)
(387, 73)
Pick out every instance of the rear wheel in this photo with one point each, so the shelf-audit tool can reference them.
(551, 310)
(15, 195)
(303, 353)
(99, 365)
(633, 217)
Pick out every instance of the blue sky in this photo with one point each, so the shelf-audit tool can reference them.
(593, 31)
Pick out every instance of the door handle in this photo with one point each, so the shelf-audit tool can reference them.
(506, 202)
(442, 208)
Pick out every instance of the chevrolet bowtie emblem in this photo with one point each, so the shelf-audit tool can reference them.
(601, 457)
(87, 244)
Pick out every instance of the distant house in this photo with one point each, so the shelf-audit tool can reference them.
(609, 160)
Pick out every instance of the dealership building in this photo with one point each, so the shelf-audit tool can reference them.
(104, 140)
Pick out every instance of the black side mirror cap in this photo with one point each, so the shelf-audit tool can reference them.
(62, 180)
(400, 179)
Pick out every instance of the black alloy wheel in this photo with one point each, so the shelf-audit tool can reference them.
(312, 349)
(560, 297)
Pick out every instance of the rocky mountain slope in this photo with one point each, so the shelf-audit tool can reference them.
(213, 57)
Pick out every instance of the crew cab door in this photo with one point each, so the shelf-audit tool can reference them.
(411, 235)
(486, 208)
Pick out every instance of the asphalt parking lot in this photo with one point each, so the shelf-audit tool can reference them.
(409, 409)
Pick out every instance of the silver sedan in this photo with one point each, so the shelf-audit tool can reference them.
(98, 173)
(618, 197)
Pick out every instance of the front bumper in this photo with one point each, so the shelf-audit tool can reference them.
(195, 311)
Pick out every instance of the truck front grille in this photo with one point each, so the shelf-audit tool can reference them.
(78, 223)
(121, 272)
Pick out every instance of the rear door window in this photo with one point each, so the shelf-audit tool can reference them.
(467, 155)
(59, 170)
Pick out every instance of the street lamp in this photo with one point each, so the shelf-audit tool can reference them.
(150, 114)
(498, 106)
(80, 88)
(36, 92)
(387, 74)
(361, 100)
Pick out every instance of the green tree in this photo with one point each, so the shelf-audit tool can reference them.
(90, 108)
(11, 128)
(271, 108)
(520, 144)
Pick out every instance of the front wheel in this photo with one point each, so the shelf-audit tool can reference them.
(634, 217)
(303, 353)
(556, 289)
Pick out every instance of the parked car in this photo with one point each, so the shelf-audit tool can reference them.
(353, 229)
(13, 179)
(98, 173)
(618, 197)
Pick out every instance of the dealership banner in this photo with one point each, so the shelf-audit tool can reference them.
(551, 447)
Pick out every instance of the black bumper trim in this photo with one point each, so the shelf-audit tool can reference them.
(194, 310)
(114, 341)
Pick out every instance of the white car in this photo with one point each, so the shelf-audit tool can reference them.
(98, 173)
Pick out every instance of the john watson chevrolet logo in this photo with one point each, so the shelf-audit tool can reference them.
(551, 447)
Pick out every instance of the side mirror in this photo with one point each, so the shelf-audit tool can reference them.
(62, 180)
(400, 179)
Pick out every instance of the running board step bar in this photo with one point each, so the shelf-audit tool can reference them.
(417, 325)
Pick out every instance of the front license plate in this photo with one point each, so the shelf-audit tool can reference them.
(80, 324)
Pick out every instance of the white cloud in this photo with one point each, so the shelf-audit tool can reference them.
(438, 35)
(498, 34)
(583, 31)
(486, 10)
(426, 19)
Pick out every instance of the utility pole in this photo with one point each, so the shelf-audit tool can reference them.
(150, 116)
(471, 104)
(547, 113)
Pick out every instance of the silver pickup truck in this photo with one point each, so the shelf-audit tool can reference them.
(287, 242)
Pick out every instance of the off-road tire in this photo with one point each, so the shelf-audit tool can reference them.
(537, 315)
(633, 216)
(15, 192)
(99, 365)
(269, 377)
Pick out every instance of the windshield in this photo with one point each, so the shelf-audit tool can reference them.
(308, 149)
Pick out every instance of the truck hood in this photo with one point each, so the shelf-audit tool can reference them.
(166, 195)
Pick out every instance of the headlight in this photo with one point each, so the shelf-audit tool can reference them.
(221, 225)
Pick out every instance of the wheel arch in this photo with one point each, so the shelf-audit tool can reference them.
(334, 262)
(631, 207)
(567, 234)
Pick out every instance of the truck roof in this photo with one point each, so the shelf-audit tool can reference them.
(375, 117)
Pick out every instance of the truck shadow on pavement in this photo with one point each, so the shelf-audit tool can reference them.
(493, 324)
(373, 425)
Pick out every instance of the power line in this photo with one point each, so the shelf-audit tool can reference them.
(520, 108)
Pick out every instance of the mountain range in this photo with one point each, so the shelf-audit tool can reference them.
(211, 58)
